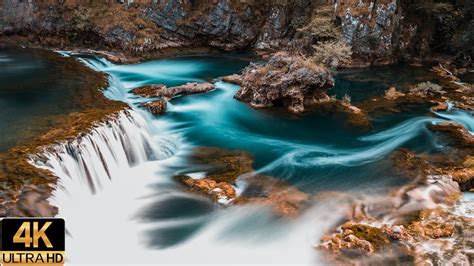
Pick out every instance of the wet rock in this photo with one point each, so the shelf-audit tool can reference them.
(412, 222)
(285, 200)
(441, 106)
(431, 229)
(186, 89)
(159, 90)
(148, 91)
(458, 134)
(396, 232)
(221, 192)
(443, 72)
(287, 81)
(235, 79)
(225, 167)
(375, 236)
(346, 241)
(156, 107)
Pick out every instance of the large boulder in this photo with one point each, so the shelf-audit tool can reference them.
(285, 80)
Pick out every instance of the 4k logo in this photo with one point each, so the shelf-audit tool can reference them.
(32, 241)
(37, 234)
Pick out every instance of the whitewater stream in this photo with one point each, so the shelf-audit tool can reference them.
(122, 205)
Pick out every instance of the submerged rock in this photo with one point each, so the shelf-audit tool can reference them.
(288, 81)
(224, 168)
(285, 200)
(156, 107)
(160, 90)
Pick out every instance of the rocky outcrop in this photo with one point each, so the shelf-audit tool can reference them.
(159, 90)
(285, 81)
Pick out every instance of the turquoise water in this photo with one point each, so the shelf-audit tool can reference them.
(161, 222)
(316, 151)
(33, 87)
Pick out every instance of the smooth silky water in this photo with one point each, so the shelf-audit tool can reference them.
(139, 214)
(34, 86)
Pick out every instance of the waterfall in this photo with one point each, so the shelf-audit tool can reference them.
(123, 141)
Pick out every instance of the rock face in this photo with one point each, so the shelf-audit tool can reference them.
(287, 81)
(378, 31)
(149, 25)
(383, 31)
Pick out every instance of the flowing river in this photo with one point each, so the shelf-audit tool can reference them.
(122, 205)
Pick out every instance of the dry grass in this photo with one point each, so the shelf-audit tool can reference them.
(332, 54)
(428, 89)
(322, 24)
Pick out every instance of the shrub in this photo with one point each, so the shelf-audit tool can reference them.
(322, 24)
(332, 54)
(346, 99)
(393, 94)
(428, 89)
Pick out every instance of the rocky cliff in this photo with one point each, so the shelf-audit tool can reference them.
(386, 30)
(379, 31)
(146, 26)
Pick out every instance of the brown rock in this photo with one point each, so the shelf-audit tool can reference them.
(186, 89)
(224, 167)
(438, 230)
(369, 233)
(285, 200)
(220, 192)
(159, 90)
(156, 107)
(441, 106)
(286, 81)
(148, 91)
(235, 79)
(456, 132)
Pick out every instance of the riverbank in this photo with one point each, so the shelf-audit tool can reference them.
(25, 188)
